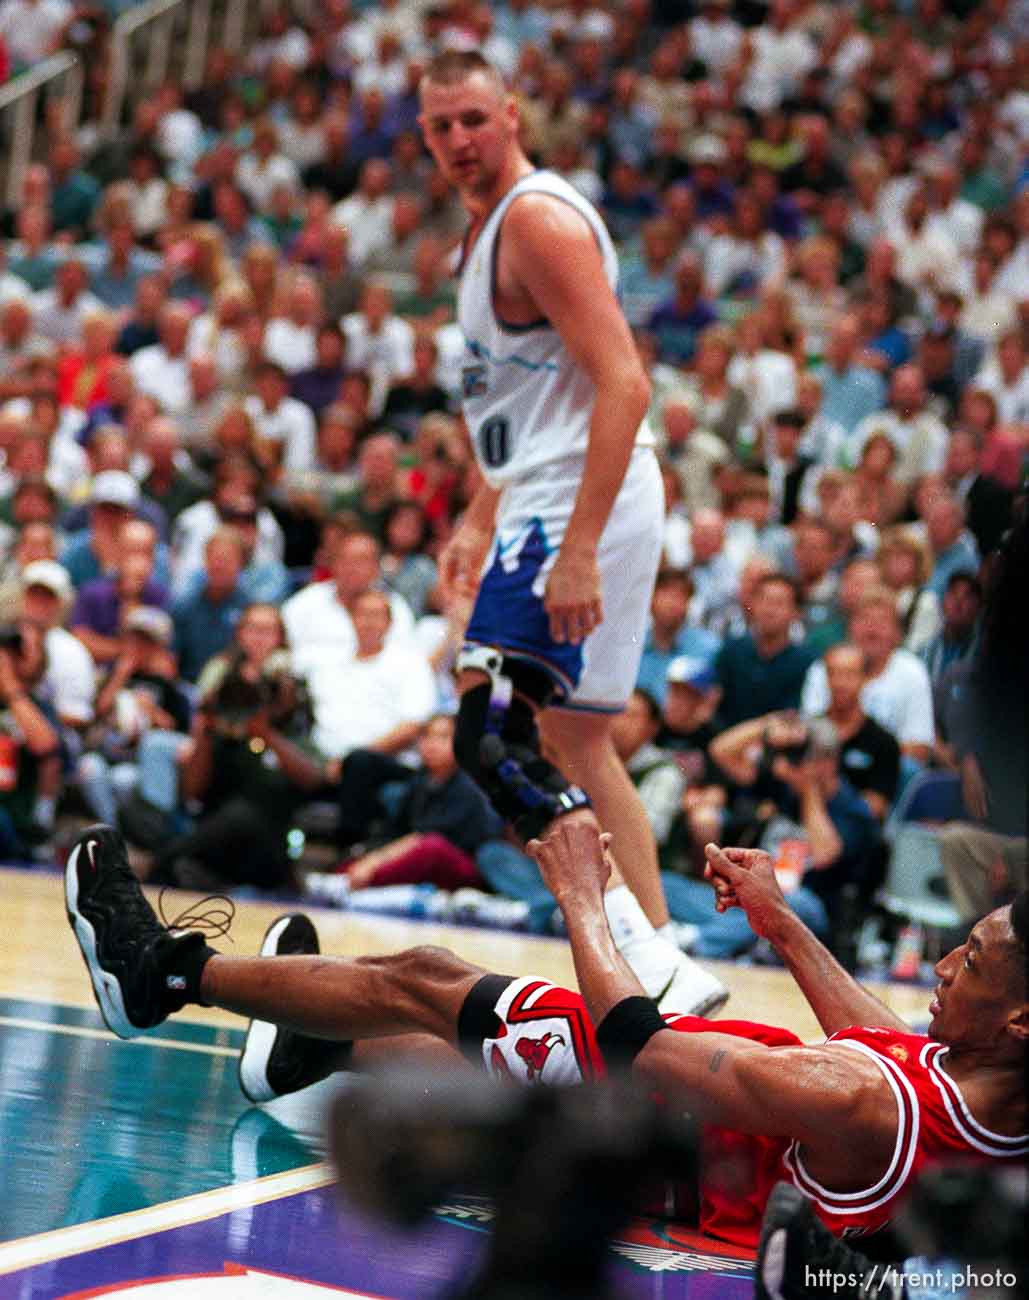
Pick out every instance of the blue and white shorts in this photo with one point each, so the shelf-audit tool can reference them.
(598, 674)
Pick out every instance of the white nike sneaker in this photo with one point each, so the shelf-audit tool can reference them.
(691, 990)
(675, 982)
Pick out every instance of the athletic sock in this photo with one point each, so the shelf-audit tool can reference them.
(657, 960)
(651, 957)
(190, 960)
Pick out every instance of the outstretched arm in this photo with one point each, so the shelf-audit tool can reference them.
(574, 862)
(745, 878)
(808, 1093)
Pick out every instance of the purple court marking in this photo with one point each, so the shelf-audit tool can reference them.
(309, 1238)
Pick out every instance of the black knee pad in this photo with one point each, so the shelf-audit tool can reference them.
(496, 741)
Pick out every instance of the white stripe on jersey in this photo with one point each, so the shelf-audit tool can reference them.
(844, 1203)
(983, 1139)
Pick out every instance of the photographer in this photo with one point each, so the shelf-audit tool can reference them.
(789, 770)
(141, 695)
(249, 764)
(29, 745)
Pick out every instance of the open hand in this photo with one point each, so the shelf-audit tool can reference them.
(572, 597)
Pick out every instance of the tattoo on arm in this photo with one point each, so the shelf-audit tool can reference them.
(716, 1060)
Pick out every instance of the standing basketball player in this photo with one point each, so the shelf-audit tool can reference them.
(562, 541)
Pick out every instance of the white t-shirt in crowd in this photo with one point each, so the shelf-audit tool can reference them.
(290, 423)
(290, 346)
(320, 630)
(259, 180)
(70, 675)
(58, 323)
(921, 441)
(1012, 399)
(163, 377)
(29, 30)
(899, 699)
(369, 222)
(769, 378)
(357, 702)
(715, 41)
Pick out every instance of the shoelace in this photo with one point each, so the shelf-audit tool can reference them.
(214, 922)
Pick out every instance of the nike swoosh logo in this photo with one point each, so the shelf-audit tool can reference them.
(90, 846)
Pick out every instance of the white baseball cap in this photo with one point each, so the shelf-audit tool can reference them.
(151, 622)
(114, 487)
(48, 574)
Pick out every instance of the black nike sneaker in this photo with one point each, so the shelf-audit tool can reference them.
(140, 968)
(277, 1061)
(798, 1256)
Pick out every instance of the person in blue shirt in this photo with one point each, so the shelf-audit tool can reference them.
(205, 618)
(669, 635)
(764, 670)
(961, 606)
(714, 195)
(92, 552)
(884, 342)
(645, 274)
(850, 390)
(954, 548)
(628, 201)
(117, 265)
(678, 321)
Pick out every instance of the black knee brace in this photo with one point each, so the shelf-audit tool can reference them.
(497, 743)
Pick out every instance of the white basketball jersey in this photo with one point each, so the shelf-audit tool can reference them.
(527, 402)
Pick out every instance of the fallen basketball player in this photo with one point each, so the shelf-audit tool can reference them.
(850, 1122)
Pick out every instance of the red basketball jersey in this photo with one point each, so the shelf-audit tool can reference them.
(934, 1125)
(546, 1037)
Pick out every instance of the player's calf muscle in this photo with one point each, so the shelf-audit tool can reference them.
(432, 984)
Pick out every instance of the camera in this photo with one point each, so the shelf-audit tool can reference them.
(10, 638)
(787, 737)
(795, 753)
(236, 697)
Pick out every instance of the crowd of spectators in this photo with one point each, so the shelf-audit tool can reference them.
(229, 386)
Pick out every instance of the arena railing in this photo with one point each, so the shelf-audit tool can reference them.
(162, 38)
(59, 77)
(141, 47)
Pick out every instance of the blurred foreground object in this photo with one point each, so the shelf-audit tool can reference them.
(961, 1233)
(566, 1167)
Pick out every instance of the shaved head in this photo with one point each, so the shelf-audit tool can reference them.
(454, 66)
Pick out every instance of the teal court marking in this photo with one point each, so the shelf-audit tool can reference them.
(47, 1017)
(93, 1126)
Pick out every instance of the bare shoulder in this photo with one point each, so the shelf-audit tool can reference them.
(536, 220)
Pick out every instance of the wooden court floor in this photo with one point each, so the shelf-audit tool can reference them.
(121, 1162)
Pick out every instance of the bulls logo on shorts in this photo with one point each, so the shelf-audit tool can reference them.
(535, 1051)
